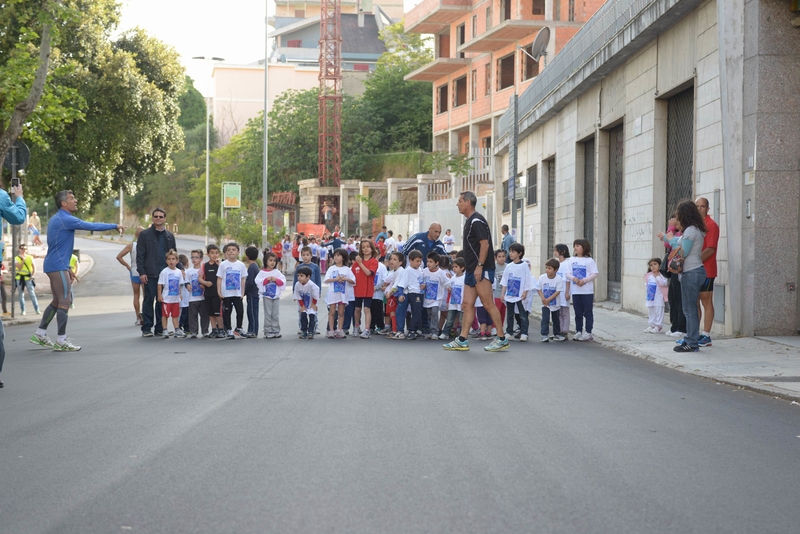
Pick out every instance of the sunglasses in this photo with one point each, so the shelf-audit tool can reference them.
(159, 216)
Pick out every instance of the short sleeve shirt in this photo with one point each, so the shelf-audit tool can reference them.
(711, 240)
(476, 229)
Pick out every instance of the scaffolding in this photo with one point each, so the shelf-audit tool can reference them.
(330, 93)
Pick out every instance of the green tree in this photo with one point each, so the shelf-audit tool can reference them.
(193, 107)
(31, 103)
(403, 107)
(127, 91)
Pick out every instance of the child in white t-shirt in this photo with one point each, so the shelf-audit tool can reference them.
(435, 285)
(409, 288)
(338, 277)
(231, 276)
(270, 283)
(170, 285)
(456, 291)
(197, 305)
(656, 286)
(561, 253)
(515, 289)
(397, 262)
(306, 294)
(583, 273)
(550, 287)
(378, 322)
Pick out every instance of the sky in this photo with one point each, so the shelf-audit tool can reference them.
(233, 30)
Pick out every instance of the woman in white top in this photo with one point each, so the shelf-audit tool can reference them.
(136, 283)
(693, 228)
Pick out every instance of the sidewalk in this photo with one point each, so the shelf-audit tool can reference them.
(767, 365)
(43, 293)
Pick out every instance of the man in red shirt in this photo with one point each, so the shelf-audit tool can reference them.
(709, 259)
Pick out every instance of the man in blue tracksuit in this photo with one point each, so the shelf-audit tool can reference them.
(13, 212)
(426, 242)
(61, 242)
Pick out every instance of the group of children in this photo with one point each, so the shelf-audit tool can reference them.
(398, 297)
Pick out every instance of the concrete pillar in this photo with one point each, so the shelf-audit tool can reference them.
(343, 210)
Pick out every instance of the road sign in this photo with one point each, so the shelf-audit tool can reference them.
(23, 156)
(231, 195)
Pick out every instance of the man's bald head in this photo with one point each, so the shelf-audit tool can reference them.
(434, 231)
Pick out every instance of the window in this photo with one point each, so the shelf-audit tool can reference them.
(474, 85)
(299, 13)
(530, 68)
(361, 66)
(572, 10)
(461, 36)
(294, 43)
(474, 26)
(538, 7)
(488, 78)
(505, 6)
(489, 17)
(442, 98)
(505, 72)
(506, 202)
(460, 92)
(486, 142)
(532, 187)
(444, 45)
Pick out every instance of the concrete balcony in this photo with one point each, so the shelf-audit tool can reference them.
(433, 16)
(503, 34)
(439, 68)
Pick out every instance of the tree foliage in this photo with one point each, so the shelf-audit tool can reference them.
(402, 107)
(123, 97)
(193, 107)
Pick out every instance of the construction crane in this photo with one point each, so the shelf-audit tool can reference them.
(330, 93)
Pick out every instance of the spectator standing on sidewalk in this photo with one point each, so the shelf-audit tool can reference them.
(136, 283)
(61, 241)
(15, 213)
(709, 258)
(151, 258)
(676, 317)
(693, 275)
(24, 278)
(505, 244)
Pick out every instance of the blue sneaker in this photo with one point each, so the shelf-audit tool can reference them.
(497, 345)
(456, 344)
(679, 341)
(704, 341)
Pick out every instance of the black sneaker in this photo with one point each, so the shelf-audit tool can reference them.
(684, 347)
(147, 333)
(412, 335)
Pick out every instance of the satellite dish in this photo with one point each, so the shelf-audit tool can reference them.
(539, 46)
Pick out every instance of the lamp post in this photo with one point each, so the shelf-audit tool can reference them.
(265, 186)
(208, 60)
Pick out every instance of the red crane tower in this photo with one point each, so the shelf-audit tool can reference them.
(330, 93)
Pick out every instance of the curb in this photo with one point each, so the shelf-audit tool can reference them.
(764, 389)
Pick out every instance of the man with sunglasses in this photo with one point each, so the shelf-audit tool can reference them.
(61, 242)
(151, 259)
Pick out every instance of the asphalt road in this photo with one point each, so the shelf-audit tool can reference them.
(137, 434)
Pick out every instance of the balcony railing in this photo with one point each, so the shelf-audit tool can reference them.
(433, 16)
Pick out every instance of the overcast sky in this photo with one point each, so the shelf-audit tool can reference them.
(233, 29)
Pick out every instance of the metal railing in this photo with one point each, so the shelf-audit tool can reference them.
(439, 190)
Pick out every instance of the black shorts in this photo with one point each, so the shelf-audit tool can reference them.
(363, 302)
(708, 286)
(212, 305)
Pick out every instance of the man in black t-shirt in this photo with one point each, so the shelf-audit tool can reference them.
(479, 259)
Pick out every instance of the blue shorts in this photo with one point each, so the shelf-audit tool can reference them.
(136, 279)
(469, 278)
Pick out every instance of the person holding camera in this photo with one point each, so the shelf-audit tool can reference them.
(14, 212)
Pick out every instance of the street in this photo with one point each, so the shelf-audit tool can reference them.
(137, 434)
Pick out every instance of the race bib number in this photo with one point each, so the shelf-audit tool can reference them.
(432, 291)
(197, 289)
(651, 292)
(513, 287)
(455, 295)
(173, 286)
(233, 280)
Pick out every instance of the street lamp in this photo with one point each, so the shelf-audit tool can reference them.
(208, 60)
(265, 187)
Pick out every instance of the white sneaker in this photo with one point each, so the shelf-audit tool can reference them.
(66, 346)
(578, 337)
(648, 330)
(655, 330)
(443, 336)
(523, 337)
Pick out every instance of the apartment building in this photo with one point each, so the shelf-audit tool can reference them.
(481, 62)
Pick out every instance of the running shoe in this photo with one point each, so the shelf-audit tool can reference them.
(329, 334)
(42, 341)
(148, 333)
(648, 330)
(523, 337)
(310, 335)
(240, 333)
(230, 335)
(456, 344)
(497, 345)
(587, 337)
(559, 338)
(398, 335)
(180, 333)
(339, 334)
(685, 348)
(578, 336)
(365, 334)
(65, 346)
(704, 341)
(442, 336)
(412, 336)
(545, 339)
(276, 335)
(303, 336)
